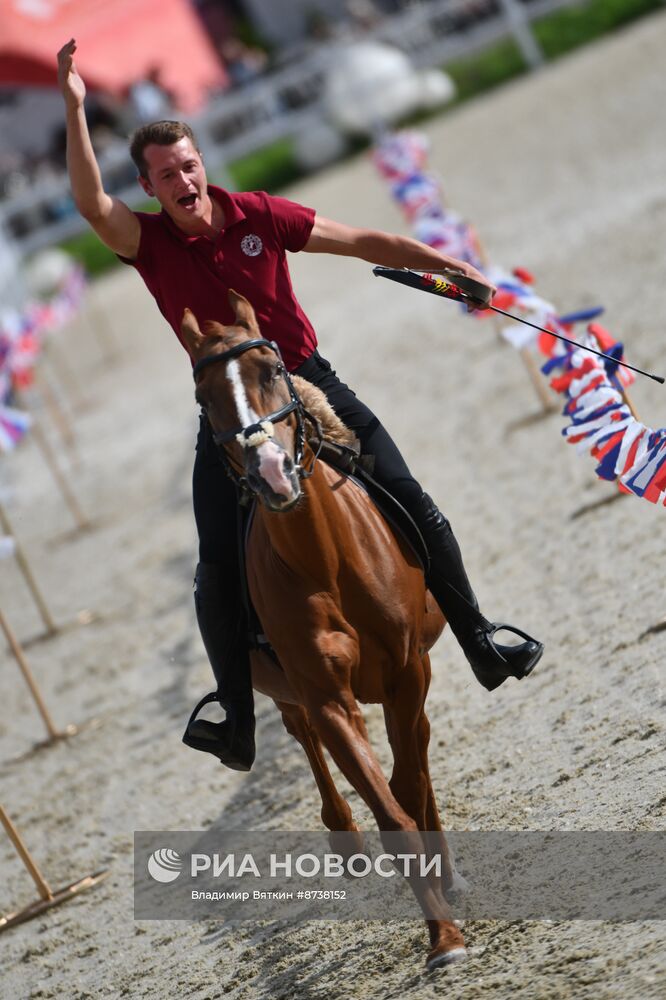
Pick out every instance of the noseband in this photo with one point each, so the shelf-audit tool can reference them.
(252, 435)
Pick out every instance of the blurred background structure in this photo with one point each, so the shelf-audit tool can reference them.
(295, 82)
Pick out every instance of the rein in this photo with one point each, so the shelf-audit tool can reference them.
(253, 435)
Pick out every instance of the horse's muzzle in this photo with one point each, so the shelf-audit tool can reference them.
(271, 475)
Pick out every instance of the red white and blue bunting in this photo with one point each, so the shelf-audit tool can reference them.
(22, 334)
(601, 419)
(603, 424)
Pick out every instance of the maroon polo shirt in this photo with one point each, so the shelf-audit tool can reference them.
(248, 255)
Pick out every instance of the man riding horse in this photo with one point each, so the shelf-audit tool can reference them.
(204, 241)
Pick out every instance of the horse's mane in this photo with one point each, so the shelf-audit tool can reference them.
(316, 403)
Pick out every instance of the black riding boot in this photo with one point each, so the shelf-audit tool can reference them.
(447, 581)
(221, 623)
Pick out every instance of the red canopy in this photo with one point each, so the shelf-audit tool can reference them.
(118, 42)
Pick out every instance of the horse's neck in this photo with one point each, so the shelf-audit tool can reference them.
(317, 524)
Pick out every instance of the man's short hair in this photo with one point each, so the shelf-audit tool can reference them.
(163, 133)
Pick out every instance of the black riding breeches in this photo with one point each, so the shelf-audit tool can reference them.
(214, 494)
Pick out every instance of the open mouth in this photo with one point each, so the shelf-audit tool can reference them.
(188, 200)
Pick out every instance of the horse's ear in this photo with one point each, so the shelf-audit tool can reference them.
(192, 335)
(244, 311)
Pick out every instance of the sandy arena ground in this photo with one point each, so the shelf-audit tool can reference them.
(563, 173)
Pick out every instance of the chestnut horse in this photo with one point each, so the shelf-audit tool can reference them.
(341, 598)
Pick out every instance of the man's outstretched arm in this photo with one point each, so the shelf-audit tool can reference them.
(386, 249)
(115, 223)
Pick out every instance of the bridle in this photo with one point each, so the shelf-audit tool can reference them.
(252, 435)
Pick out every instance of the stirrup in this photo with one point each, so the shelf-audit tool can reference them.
(502, 662)
(497, 627)
(236, 754)
(206, 700)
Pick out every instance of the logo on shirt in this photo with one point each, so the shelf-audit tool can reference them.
(252, 245)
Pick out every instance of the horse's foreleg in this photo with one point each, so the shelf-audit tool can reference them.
(335, 811)
(409, 734)
(340, 725)
(437, 843)
(341, 728)
(408, 729)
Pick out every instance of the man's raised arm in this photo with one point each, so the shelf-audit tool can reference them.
(115, 223)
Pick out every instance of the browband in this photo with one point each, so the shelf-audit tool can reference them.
(233, 352)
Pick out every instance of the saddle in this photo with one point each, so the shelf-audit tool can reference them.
(357, 468)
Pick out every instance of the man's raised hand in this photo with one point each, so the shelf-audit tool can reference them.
(72, 86)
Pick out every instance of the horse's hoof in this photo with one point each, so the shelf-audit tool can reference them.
(346, 842)
(446, 958)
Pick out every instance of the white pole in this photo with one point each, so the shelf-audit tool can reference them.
(519, 25)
